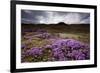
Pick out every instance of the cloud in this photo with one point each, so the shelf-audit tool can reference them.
(48, 17)
(87, 20)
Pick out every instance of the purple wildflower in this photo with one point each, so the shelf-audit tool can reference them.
(34, 51)
(78, 55)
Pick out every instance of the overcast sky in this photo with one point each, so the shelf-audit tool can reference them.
(48, 17)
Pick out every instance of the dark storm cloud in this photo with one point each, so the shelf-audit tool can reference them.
(47, 17)
(29, 16)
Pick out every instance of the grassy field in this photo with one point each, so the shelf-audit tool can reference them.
(41, 35)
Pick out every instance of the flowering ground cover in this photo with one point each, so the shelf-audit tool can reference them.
(64, 43)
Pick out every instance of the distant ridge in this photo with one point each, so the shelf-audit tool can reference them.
(60, 23)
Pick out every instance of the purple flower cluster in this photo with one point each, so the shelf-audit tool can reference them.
(34, 51)
(44, 35)
(69, 49)
(58, 54)
(77, 55)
